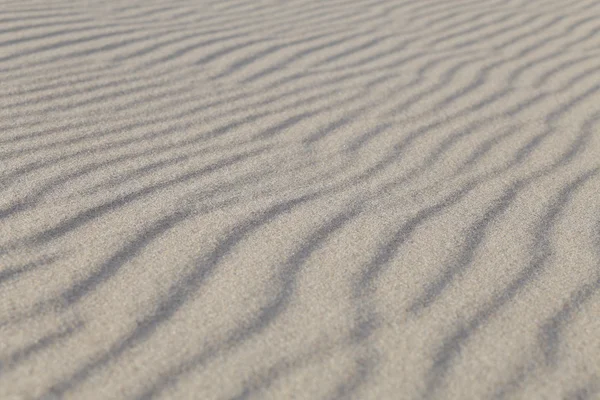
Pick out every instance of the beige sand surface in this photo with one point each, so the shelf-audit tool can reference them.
(304, 199)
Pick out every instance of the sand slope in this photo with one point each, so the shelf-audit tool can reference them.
(308, 199)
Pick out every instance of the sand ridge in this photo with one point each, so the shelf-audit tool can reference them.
(373, 199)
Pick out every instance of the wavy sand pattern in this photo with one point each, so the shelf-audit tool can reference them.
(234, 199)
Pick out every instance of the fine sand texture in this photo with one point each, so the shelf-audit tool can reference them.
(303, 199)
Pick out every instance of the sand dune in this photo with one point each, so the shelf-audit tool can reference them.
(307, 199)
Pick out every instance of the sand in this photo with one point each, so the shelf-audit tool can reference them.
(307, 199)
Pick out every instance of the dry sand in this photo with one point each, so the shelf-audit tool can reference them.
(307, 199)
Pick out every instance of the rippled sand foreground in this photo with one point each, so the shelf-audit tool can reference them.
(306, 199)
